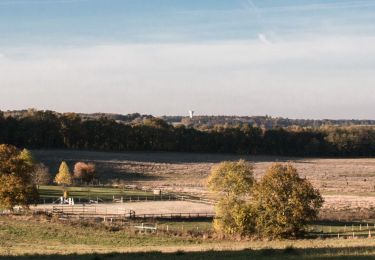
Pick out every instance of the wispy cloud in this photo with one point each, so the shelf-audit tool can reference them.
(263, 39)
(321, 6)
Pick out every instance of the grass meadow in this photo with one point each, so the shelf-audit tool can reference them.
(28, 237)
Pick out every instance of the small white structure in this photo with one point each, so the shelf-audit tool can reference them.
(157, 192)
(191, 114)
(69, 201)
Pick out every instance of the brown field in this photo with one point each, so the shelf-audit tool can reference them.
(346, 183)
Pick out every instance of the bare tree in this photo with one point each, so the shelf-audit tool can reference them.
(41, 175)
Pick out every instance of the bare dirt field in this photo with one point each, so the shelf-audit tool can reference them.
(187, 172)
(347, 184)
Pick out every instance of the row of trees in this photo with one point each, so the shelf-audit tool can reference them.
(278, 206)
(83, 173)
(52, 130)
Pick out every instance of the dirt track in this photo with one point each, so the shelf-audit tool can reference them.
(332, 202)
(157, 207)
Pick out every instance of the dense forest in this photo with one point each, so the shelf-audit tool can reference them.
(51, 130)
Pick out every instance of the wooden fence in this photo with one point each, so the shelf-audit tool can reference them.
(91, 211)
(176, 216)
(127, 199)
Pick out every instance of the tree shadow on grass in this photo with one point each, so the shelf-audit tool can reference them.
(356, 253)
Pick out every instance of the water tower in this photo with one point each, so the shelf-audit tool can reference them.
(191, 114)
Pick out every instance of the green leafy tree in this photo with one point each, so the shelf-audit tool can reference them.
(16, 187)
(232, 183)
(63, 177)
(284, 202)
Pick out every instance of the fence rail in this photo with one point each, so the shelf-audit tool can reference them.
(118, 199)
(175, 215)
(93, 211)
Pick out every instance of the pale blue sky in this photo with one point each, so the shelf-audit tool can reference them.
(300, 59)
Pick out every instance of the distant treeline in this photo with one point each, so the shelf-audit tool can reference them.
(268, 122)
(209, 122)
(47, 130)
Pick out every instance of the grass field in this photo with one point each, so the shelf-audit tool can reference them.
(23, 237)
(90, 192)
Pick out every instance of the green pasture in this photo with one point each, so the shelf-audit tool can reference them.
(90, 192)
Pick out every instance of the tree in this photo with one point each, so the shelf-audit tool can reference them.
(232, 181)
(13, 192)
(284, 202)
(28, 158)
(231, 178)
(84, 171)
(41, 175)
(63, 177)
(16, 187)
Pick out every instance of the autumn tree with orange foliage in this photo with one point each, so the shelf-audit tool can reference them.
(84, 172)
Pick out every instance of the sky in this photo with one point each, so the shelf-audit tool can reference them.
(292, 58)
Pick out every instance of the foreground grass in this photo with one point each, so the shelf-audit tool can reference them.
(28, 237)
(289, 253)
